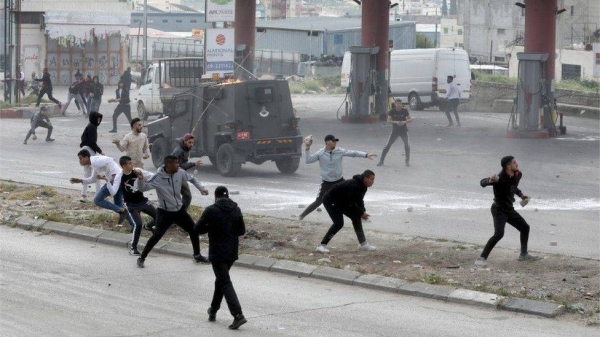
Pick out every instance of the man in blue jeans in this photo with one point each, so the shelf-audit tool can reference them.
(104, 167)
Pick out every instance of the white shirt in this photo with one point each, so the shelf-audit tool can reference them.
(102, 165)
(452, 91)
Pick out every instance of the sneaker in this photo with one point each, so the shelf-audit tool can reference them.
(200, 259)
(134, 251)
(140, 262)
(301, 217)
(212, 315)
(449, 125)
(113, 131)
(238, 321)
(121, 217)
(365, 246)
(25, 142)
(480, 262)
(407, 164)
(322, 249)
(528, 257)
(34, 137)
(149, 227)
(380, 163)
(49, 139)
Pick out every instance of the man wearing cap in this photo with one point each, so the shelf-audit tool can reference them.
(224, 223)
(398, 117)
(182, 152)
(452, 100)
(330, 160)
(40, 119)
(505, 187)
(135, 144)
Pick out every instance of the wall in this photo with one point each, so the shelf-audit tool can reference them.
(455, 35)
(586, 59)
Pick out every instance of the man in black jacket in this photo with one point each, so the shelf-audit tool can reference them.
(224, 223)
(346, 198)
(46, 88)
(123, 107)
(505, 187)
(89, 139)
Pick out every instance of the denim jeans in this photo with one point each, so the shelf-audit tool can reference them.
(100, 201)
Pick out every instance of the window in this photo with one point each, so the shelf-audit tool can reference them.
(572, 10)
(499, 59)
(501, 31)
(136, 21)
(193, 21)
(179, 21)
(445, 30)
(338, 39)
(460, 31)
(460, 45)
(31, 17)
(165, 21)
(571, 72)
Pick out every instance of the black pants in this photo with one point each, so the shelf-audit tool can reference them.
(452, 105)
(393, 137)
(43, 92)
(164, 220)
(136, 210)
(501, 217)
(224, 288)
(121, 109)
(325, 187)
(42, 124)
(337, 216)
(186, 195)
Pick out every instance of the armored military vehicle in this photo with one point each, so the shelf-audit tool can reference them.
(233, 123)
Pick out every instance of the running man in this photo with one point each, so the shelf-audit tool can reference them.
(399, 118)
(135, 143)
(40, 119)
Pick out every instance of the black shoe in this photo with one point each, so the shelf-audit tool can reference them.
(212, 315)
(238, 321)
(140, 262)
(121, 217)
(200, 259)
(25, 142)
(134, 251)
(380, 163)
(49, 139)
(407, 164)
(113, 131)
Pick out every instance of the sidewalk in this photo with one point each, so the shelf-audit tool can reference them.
(299, 269)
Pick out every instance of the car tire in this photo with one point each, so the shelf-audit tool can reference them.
(160, 149)
(226, 164)
(414, 101)
(287, 165)
(143, 114)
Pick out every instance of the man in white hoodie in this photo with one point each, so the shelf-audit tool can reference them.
(167, 183)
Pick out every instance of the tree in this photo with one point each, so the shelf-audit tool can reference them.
(422, 42)
(453, 8)
(444, 8)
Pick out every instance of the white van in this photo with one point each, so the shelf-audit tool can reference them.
(418, 76)
(184, 72)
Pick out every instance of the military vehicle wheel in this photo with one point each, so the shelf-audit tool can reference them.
(287, 165)
(225, 161)
(142, 112)
(160, 150)
(213, 160)
(415, 102)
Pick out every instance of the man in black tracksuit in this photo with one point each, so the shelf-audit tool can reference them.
(505, 187)
(123, 107)
(46, 88)
(224, 223)
(346, 198)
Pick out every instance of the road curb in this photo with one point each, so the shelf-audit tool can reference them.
(372, 281)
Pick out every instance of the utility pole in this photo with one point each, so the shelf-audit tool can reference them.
(145, 47)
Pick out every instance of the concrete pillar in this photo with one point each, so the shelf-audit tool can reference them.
(245, 31)
(382, 22)
(540, 31)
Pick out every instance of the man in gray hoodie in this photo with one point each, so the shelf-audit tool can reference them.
(40, 119)
(167, 182)
(182, 152)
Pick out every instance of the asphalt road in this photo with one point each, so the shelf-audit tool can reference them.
(57, 286)
(442, 185)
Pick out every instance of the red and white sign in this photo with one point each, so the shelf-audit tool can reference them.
(243, 135)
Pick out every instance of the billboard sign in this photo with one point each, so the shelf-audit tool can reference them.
(220, 51)
(220, 10)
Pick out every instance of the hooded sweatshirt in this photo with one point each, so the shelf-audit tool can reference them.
(89, 137)
(183, 154)
(168, 187)
(224, 223)
(331, 161)
(348, 195)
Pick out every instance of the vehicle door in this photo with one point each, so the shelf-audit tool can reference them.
(263, 106)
